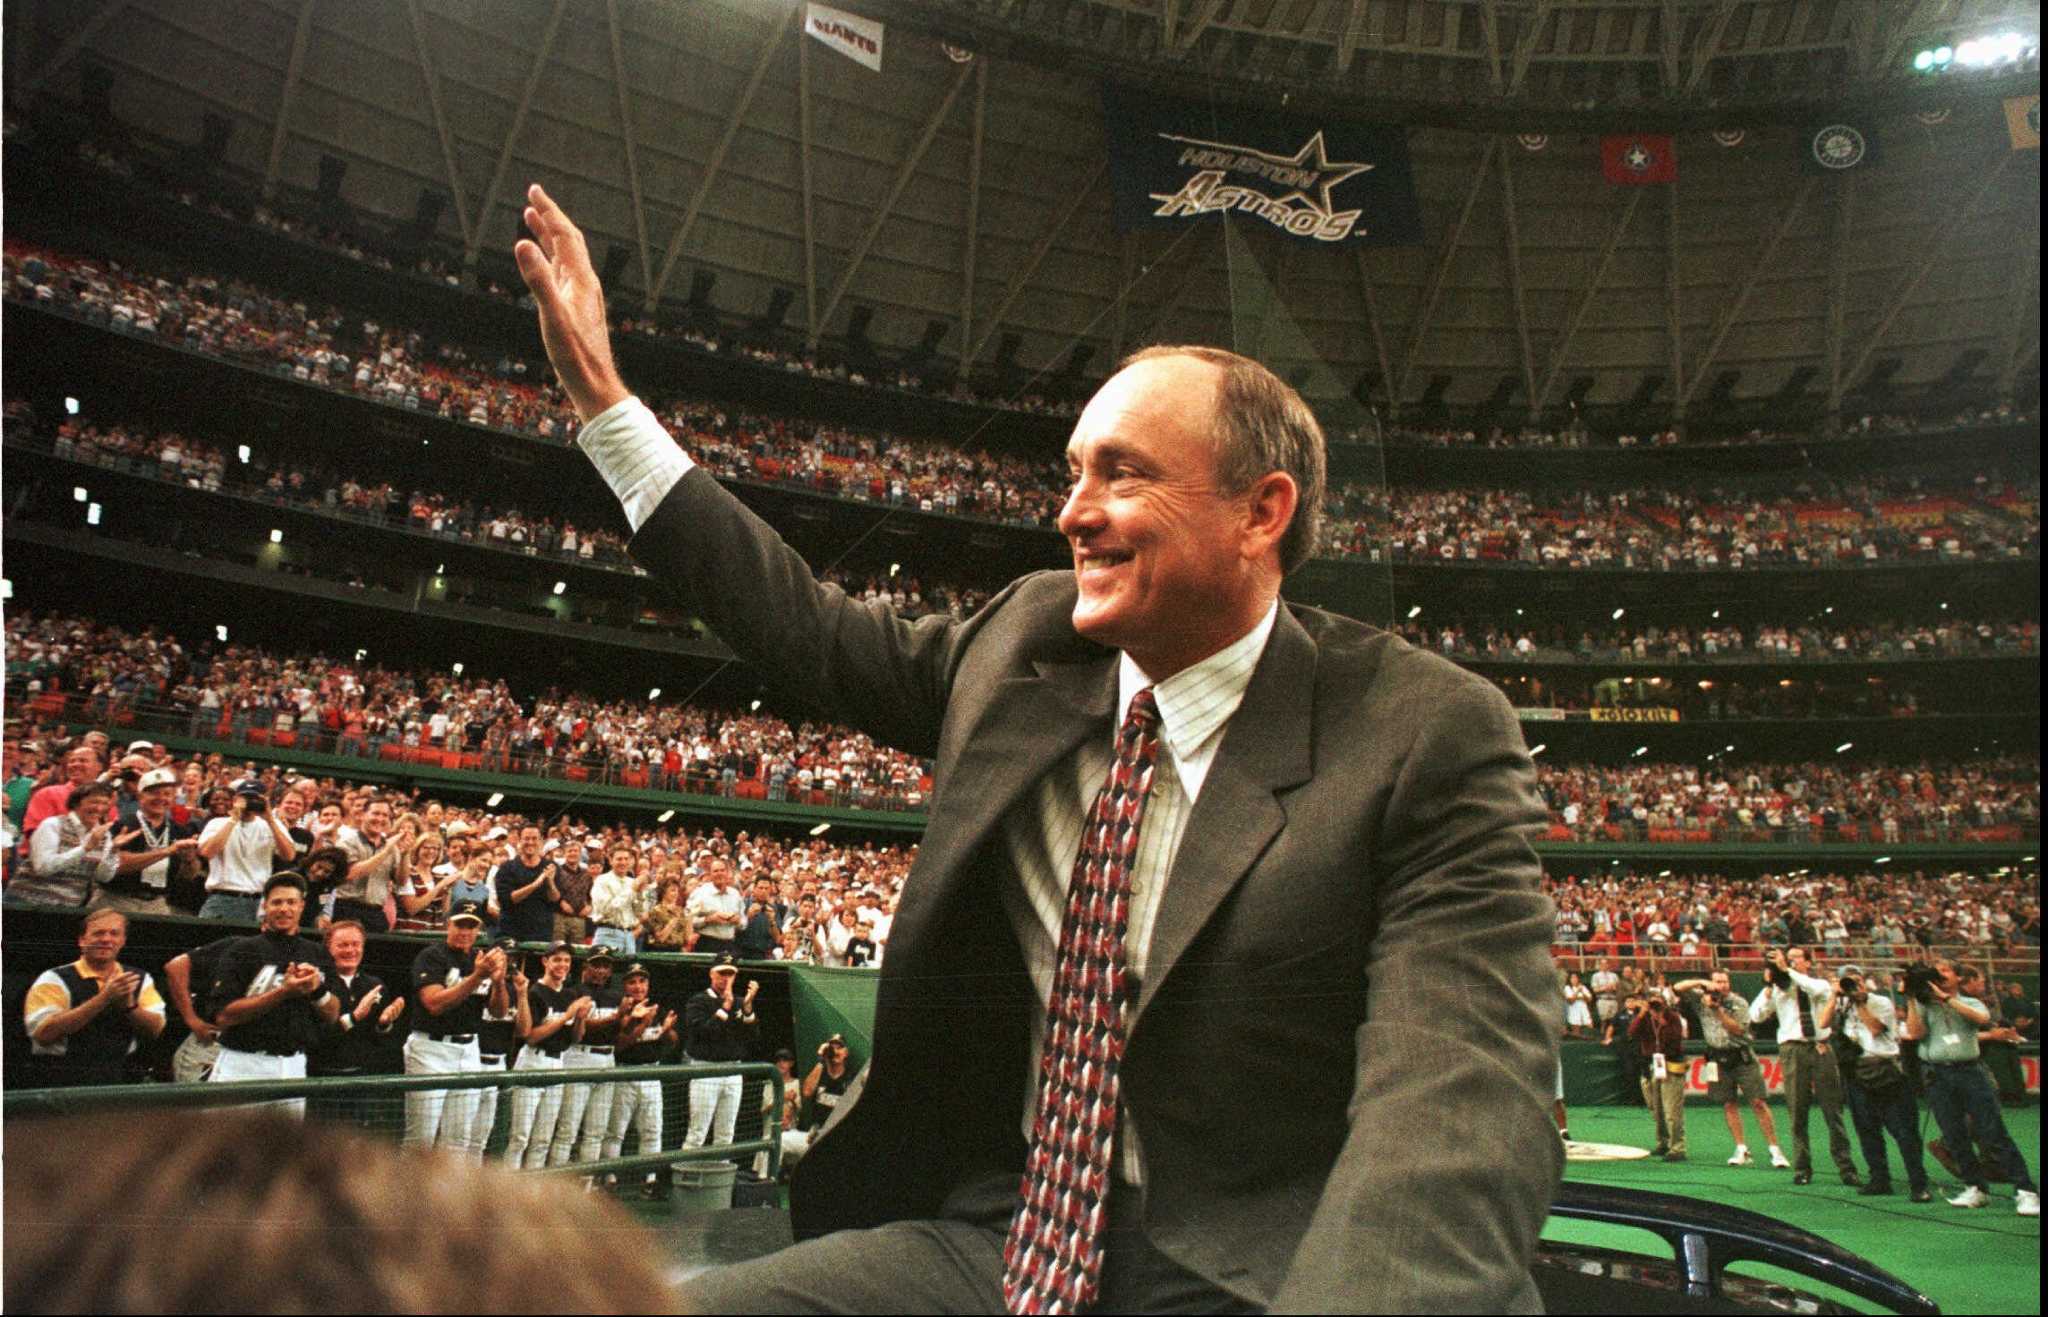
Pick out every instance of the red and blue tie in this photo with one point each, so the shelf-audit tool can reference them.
(1052, 1260)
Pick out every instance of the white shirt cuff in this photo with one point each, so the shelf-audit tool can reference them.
(636, 457)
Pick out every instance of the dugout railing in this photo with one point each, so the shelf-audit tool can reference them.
(375, 1104)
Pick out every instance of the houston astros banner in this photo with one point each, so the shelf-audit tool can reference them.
(1320, 180)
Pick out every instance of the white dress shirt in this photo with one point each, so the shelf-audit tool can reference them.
(1786, 1005)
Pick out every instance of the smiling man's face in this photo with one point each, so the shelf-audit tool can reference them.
(1160, 561)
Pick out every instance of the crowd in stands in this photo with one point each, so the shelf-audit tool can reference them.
(1880, 913)
(444, 267)
(450, 850)
(103, 673)
(1865, 521)
(1852, 523)
(240, 693)
(1727, 698)
(1886, 641)
(1983, 799)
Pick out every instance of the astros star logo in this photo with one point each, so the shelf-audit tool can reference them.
(1637, 157)
(1313, 160)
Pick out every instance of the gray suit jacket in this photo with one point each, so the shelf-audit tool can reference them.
(1342, 1060)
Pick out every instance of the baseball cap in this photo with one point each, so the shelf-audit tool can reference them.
(142, 747)
(157, 777)
(472, 911)
(636, 970)
(561, 948)
(505, 940)
(600, 953)
(246, 786)
(726, 963)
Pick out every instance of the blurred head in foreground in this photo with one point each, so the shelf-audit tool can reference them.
(254, 1212)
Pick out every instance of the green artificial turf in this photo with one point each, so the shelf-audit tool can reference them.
(1985, 1261)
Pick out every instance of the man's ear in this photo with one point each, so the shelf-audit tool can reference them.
(1270, 505)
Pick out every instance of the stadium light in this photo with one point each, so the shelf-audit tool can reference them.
(362, 654)
(1729, 750)
(497, 799)
(220, 633)
(560, 586)
(1717, 612)
(70, 406)
(1882, 859)
(1518, 612)
(1618, 612)
(440, 567)
(92, 514)
(78, 494)
(654, 694)
(1415, 612)
(894, 568)
(455, 668)
(665, 816)
(1924, 60)
(821, 829)
(1539, 749)
(1846, 745)
(243, 453)
(276, 535)
(755, 707)
(1641, 750)
(1984, 52)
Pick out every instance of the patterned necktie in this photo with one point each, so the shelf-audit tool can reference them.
(1052, 1261)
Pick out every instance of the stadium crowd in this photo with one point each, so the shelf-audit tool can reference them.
(1986, 799)
(318, 702)
(432, 855)
(1865, 521)
(247, 694)
(1886, 641)
(1880, 913)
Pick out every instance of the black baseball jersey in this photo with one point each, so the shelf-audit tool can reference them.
(601, 1026)
(713, 1033)
(543, 1004)
(442, 966)
(349, 1046)
(650, 1050)
(252, 966)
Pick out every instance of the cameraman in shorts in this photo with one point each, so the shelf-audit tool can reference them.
(1880, 1096)
(1737, 1075)
(1943, 1014)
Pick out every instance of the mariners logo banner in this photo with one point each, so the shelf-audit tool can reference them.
(1323, 181)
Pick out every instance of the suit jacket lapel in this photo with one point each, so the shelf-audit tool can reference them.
(1029, 725)
(1265, 751)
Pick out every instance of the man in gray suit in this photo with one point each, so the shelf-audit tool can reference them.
(1336, 1018)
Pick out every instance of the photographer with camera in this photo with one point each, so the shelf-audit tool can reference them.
(1804, 1006)
(240, 849)
(822, 1089)
(1881, 1098)
(1659, 1035)
(1735, 1076)
(1944, 1014)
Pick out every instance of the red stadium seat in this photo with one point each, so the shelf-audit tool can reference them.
(284, 740)
(257, 736)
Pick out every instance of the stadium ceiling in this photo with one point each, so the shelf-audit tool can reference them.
(1516, 65)
(957, 201)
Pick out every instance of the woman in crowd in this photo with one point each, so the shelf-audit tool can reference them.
(1578, 1007)
(667, 926)
(423, 900)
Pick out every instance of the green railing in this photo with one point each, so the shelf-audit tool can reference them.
(44, 1103)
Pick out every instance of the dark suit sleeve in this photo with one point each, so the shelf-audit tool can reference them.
(1447, 1174)
(858, 662)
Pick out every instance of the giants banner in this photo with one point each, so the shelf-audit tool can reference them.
(1173, 162)
(857, 38)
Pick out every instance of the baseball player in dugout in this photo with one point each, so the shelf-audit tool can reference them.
(1221, 981)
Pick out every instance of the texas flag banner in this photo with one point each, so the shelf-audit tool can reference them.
(851, 35)
(1639, 158)
(2023, 122)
